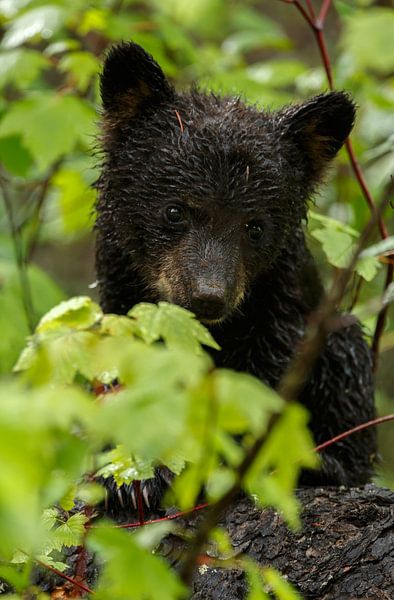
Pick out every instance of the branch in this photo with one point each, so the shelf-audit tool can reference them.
(36, 220)
(317, 27)
(20, 257)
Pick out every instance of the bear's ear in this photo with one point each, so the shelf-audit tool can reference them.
(319, 127)
(132, 81)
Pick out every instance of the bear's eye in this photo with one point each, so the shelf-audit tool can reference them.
(174, 214)
(254, 230)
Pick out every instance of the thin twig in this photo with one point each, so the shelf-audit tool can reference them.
(349, 432)
(36, 219)
(317, 27)
(81, 586)
(20, 258)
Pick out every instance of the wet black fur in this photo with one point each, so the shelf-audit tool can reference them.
(232, 165)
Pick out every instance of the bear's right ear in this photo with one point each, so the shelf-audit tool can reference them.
(132, 81)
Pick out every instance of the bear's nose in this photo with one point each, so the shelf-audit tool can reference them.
(209, 300)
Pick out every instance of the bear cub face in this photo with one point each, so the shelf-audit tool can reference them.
(201, 194)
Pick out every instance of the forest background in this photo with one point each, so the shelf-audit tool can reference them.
(50, 57)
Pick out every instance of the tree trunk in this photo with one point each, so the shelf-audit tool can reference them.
(345, 549)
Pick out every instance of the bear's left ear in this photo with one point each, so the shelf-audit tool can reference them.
(132, 82)
(319, 127)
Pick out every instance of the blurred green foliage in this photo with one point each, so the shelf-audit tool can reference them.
(51, 430)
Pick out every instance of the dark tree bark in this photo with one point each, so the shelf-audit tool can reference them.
(345, 549)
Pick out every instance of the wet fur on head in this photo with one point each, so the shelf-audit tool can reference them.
(226, 165)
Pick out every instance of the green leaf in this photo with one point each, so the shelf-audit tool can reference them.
(117, 325)
(69, 533)
(50, 125)
(367, 267)
(253, 30)
(42, 457)
(120, 550)
(333, 224)
(42, 21)
(78, 313)
(50, 517)
(82, 66)
(175, 325)
(337, 246)
(66, 356)
(274, 474)
(282, 588)
(255, 581)
(125, 468)
(243, 402)
(75, 201)
(368, 36)
(14, 156)
(13, 323)
(338, 243)
(21, 66)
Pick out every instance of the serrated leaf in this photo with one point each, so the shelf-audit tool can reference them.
(71, 532)
(50, 125)
(56, 564)
(117, 325)
(79, 312)
(175, 325)
(50, 517)
(125, 468)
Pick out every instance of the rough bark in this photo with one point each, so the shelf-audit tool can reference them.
(344, 550)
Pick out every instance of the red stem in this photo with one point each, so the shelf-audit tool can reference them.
(317, 25)
(363, 185)
(361, 427)
(321, 42)
(140, 504)
(311, 9)
(326, 5)
(83, 587)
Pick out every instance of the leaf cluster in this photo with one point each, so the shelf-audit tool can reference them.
(170, 408)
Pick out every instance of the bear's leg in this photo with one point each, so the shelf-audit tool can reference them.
(340, 396)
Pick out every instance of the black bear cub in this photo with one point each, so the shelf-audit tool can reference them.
(201, 203)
